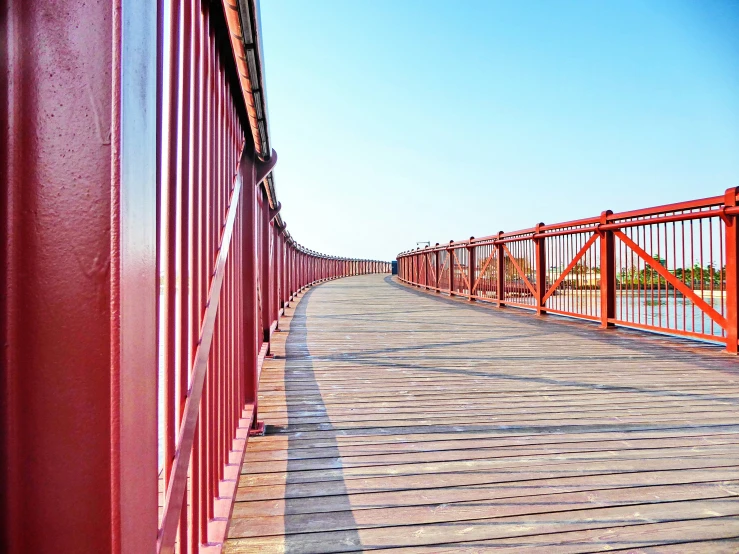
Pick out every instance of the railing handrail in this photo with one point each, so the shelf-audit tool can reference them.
(613, 220)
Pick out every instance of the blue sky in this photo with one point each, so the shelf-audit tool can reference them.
(403, 121)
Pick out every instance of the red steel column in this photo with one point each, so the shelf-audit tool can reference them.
(607, 274)
(501, 271)
(471, 258)
(732, 272)
(287, 280)
(296, 266)
(284, 290)
(79, 277)
(250, 272)
(275, 304)
(540, 254)
(265, 269)
(450, 254)
(426, 266)
(253, 172)
(438, 269)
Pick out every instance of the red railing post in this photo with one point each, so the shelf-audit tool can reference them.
(290, 271)
(607, 274)
(540, 255)
(501, 270)
(438, 269)
(285, 259)
(426, 265)
(731, 271)
(265, 269)
(277, 270)
(250, 273)
(472, 263)
(450, 259)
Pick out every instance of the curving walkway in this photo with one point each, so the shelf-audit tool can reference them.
(401, 420)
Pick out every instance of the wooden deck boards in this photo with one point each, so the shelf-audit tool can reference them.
(403, 421)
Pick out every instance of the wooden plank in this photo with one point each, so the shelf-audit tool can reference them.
(280, 442)
(434, 443)
(412, 497)
(421, 482)
(478, 451)
(471, 510)
(625, 538)
(436, 534)
(491, 463)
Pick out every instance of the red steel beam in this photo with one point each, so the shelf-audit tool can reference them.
(78, 415)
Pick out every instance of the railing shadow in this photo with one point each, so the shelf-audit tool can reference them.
(299, 362)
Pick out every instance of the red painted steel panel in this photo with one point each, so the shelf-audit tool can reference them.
(79, 97)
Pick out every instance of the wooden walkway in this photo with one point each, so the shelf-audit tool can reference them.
(403, 421)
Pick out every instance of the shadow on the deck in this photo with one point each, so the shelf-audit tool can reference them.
(298, 360)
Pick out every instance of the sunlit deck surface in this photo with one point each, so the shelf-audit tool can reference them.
(399, 420)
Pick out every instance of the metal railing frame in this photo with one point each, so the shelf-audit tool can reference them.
(511, 269)
(139, 231)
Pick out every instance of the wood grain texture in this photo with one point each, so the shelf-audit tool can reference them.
(405, 421)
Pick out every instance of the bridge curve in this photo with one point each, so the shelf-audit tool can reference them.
(399, 419)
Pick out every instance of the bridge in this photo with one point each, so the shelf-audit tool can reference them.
(181, 375)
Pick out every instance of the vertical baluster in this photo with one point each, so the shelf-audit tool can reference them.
(170, 210)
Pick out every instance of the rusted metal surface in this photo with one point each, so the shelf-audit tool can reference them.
(670, 269)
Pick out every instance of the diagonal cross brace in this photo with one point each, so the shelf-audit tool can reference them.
(467, 282)
(674, 281)
(570, 267)
(483, 270)
(520, 271)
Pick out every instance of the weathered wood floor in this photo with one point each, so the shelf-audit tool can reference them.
(402, 421)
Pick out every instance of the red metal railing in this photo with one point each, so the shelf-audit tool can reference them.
(143, 266)
(670, 269)
(228, 268)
